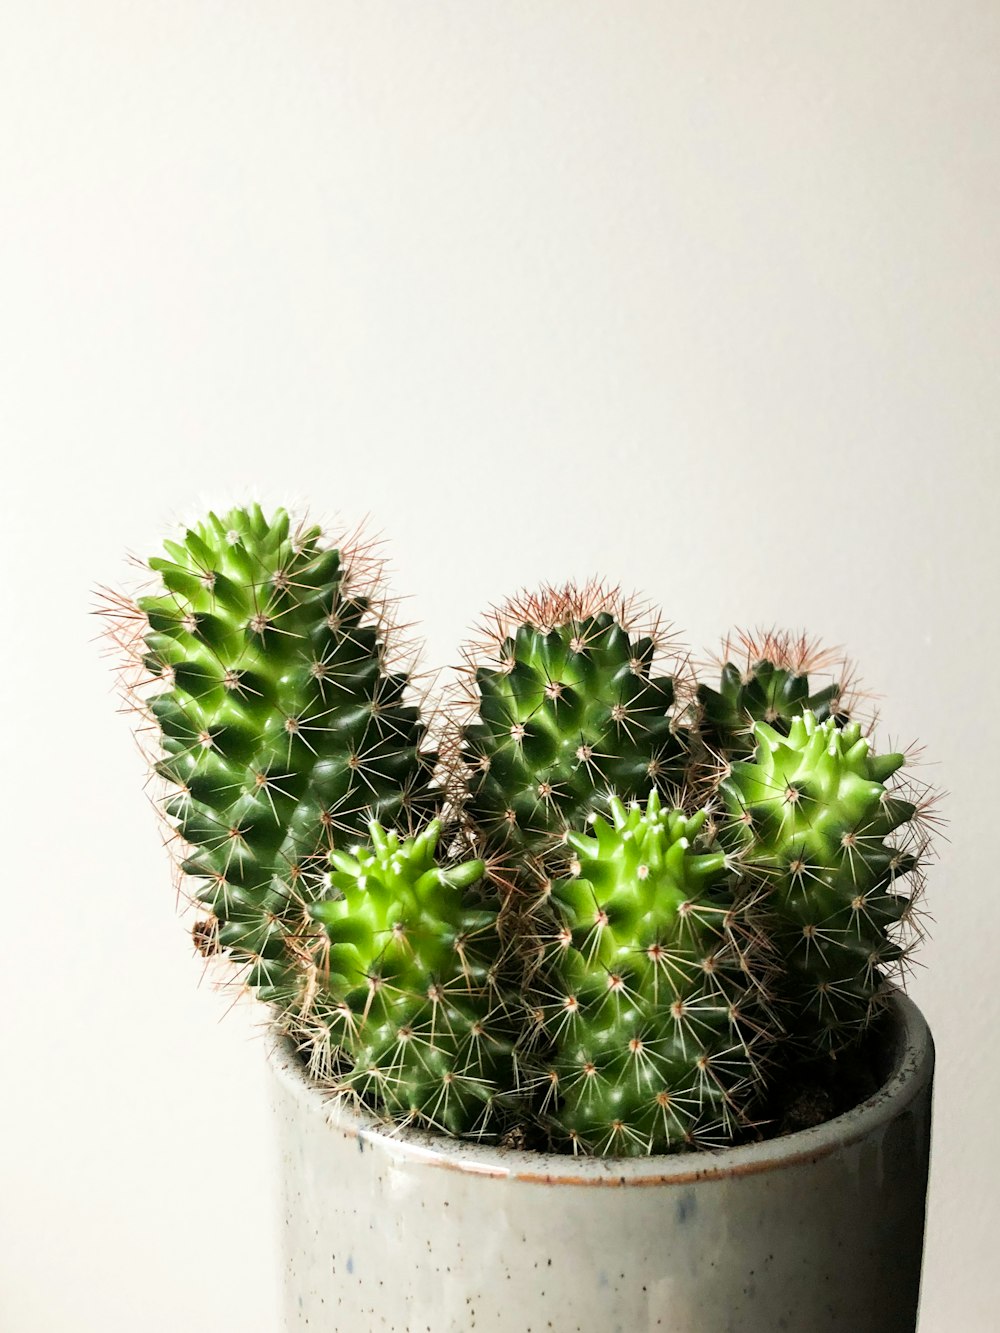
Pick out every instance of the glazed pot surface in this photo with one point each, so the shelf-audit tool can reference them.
(816, 1232)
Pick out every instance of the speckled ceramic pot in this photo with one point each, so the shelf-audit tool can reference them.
(817, 1232)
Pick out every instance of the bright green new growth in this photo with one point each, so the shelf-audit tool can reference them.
(809, 817)
(404, 1008)
(567, 711)
(282, 725)
(646, 994)
(769, 684)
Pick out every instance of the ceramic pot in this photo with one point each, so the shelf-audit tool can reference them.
(820, 1231)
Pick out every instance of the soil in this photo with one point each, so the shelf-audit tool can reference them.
(815, 1092)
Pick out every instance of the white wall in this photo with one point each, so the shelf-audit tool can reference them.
(702, 296)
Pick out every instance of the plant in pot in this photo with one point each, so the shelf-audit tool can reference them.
(583, 984)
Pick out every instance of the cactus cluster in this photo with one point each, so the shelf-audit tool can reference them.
(602, 906)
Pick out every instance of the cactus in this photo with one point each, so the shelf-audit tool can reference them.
(403, 1007)
(647, 997)
(643, 975)
(809, 817)
(765, 678)
(283, 726)
(565, 710)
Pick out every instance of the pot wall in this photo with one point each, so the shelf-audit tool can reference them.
(817, 1232)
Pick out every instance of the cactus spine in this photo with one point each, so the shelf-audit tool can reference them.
(566, 710)
(283, 727)
(809, 817)
(404, 1008)
(646, 995)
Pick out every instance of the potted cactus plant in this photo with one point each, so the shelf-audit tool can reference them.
(583, 981)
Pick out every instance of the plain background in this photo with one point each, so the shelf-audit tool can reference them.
(703, 297)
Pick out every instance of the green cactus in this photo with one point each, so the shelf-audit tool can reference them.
(765, 678)
(405, 1008)
(283, 727)
(808, 817)
(647, 998)
(640, 962)
(566, 710)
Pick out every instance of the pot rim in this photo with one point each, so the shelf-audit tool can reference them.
(912, 1069)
